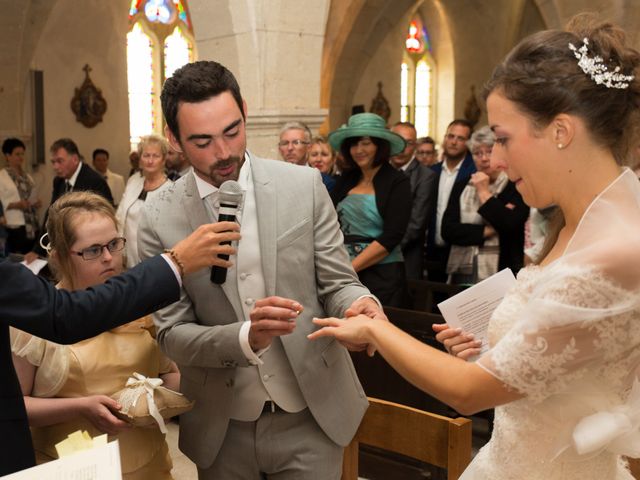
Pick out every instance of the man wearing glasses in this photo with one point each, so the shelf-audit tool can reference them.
(426, 151)
(295, 140)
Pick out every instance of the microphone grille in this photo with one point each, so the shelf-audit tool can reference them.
(230, 192)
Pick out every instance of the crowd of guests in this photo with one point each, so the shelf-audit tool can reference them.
(551, 341)
(407, 214)
(387, 188)
(404, 212)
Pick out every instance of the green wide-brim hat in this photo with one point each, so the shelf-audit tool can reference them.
(366, 125)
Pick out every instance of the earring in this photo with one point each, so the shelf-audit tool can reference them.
(560, 146)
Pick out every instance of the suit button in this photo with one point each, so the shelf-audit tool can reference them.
(243, 276)
(249, 301)
(228, 363)
(229, 383)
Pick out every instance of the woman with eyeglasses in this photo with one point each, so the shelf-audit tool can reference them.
(152, 151)
(66, 387)
(485, 222)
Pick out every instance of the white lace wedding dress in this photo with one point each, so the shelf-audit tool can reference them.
(567, 337)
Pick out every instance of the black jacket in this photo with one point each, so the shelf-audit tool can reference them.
(88, 180)
(507, 222)
(29, 303)
(393, 199)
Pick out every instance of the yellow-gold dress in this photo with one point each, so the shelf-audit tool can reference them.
(99, 366)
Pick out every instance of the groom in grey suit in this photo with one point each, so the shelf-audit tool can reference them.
(269, 402)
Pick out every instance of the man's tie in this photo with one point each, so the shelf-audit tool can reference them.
(212, 205)
(67, 186)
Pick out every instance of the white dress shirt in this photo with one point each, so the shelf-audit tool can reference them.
(447, 179)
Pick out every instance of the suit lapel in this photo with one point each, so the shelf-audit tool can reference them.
(266, 206)
(411, 172)
(193, 205)
(196, 212)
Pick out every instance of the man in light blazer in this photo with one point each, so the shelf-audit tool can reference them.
(267, 400)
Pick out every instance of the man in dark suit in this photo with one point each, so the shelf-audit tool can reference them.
(73, 175)
(456, 166)
(32, 304)
(423, 187)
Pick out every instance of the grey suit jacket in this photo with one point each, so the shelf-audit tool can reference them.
(303, 258)
(423, 189)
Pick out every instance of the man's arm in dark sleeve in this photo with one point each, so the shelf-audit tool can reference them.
(29, 303)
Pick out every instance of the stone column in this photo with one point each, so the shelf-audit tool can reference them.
(274, 48)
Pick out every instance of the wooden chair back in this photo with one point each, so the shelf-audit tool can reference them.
(416, 323)
(430, 438)
(426, 294)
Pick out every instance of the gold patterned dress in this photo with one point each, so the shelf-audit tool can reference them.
(99, 366)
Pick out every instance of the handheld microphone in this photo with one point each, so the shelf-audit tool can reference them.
(230, 195)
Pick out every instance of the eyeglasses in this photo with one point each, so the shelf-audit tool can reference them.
(95, 251)
(481, 153)
(425, 152)
(295, 143)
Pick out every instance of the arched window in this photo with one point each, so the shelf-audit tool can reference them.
(160, 40)
(416, 79)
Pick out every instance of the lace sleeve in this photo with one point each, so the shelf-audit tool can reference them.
(571, 324)
(50, 359)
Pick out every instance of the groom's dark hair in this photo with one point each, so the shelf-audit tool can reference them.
(193, 83)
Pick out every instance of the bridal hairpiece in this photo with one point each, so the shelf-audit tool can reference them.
(597, 70)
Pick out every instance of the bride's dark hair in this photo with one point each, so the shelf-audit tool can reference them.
(542, 77)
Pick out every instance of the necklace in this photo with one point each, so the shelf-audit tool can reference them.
(150, 185)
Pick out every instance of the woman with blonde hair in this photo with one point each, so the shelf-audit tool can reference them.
(323, 157)
(152, 151)
(68, 388)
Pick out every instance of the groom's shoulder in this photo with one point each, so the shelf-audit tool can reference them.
(281, 170)
(167, 197)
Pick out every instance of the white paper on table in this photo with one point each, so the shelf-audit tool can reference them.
(471, 309)
(35, 266)
(98, 463)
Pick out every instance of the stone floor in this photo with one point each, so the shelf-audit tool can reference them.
(183, 468)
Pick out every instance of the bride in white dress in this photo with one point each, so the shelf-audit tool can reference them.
(564, 361)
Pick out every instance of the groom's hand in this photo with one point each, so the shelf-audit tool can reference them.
(369, 307)
(272, 317)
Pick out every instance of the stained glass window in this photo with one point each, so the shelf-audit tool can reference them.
(159, 11)
(422, 117)
(416, 79)
(182, 13)
(404, 92)
(160, 41)
(141, 84)
(177, 52)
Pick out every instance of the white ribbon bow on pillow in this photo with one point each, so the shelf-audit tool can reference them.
(135, 387)
(617, 430)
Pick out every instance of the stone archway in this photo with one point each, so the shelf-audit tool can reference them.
(355, 30)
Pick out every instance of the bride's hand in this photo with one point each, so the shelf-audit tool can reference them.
(456, 342)
(354, 330)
